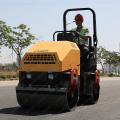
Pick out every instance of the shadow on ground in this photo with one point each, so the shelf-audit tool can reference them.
(32, 111)
(28, 112)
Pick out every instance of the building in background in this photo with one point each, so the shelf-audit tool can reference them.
(113, 69)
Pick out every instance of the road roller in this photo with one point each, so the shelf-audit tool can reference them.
(53, 74)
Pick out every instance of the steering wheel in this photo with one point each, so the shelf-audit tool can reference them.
(76, 36)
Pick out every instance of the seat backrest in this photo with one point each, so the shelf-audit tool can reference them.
(68, 37)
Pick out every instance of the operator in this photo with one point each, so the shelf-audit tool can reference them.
(83, 34)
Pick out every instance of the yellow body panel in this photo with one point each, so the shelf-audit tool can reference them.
(57, 56)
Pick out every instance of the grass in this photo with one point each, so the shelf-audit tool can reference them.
(12, 75)
(108, 75)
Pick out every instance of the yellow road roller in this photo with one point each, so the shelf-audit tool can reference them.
(53, 74)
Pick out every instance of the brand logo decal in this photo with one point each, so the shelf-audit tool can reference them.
(41, 50)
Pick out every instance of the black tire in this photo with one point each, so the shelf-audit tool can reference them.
(73, 101)
(93, 99)
(96, 94)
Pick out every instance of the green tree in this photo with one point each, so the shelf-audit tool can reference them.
(14, 64)
(4, 31)
(102, 54)
(18, 39)
(119, 58)
(112, 58)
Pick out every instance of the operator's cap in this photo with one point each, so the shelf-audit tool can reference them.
(79, 17)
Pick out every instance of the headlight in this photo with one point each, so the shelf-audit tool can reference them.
(50, 76)
(28, 76)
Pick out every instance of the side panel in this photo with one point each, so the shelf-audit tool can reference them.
(93, 62)
(72, 60)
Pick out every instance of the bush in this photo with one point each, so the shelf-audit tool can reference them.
(110, 75)
(101, 74)
(9, 75)
(14, 76)
(104, 74)
(17, 73)
(3, 76)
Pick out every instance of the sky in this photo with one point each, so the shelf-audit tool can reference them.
(44, 17)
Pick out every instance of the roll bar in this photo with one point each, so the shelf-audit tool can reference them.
(94, 22)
